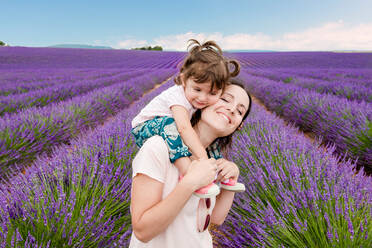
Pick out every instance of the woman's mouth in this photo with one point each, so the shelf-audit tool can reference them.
(225, 117)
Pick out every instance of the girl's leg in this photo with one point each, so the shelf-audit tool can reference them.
(229, 184)
(179, 154)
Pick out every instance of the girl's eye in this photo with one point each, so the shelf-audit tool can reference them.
(197, 90)
(223, 99)
(213, 93)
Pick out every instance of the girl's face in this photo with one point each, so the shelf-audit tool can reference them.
(200, 95)
(227, 114)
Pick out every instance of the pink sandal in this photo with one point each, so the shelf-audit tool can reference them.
(233, 185)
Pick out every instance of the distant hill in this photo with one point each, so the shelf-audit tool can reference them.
(80, 46)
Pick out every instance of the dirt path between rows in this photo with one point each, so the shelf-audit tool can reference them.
(309, 135)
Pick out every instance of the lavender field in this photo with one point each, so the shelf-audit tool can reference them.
(66, 152)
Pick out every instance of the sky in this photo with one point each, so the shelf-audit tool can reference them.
(282, 25)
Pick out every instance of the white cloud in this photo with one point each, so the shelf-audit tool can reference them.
(330, 36)
(131, 43)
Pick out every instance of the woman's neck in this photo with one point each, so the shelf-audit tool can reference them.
(205, 134)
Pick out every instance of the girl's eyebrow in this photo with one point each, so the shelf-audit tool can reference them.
(240, 104)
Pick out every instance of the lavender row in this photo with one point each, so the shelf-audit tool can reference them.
(299, 60)
(348, 124)
(351, 90)
(62, 92)
(344, 75)
(19, 84)
(347, 77)
(55, 58)
(36, 130)
(297, 194)
(79, 196)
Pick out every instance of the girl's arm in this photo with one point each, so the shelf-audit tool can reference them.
(224, 200)
(188, 135)
(151, 214)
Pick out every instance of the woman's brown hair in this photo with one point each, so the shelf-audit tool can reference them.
(224, 143)
(205, 63)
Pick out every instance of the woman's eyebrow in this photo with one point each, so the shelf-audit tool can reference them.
(229, 95)
(240, 104)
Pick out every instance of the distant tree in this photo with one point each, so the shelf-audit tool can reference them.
(155, 48)
(2, 43)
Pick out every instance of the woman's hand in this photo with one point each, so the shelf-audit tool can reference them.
(201, 172)
(227, 169)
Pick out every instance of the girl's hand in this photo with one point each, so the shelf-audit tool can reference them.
(227, 169)
(201, 172)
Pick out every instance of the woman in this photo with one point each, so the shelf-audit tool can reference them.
(164, 211)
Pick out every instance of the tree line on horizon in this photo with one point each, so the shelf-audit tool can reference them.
(155, 48)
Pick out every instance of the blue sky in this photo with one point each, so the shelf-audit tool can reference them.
(235, 24)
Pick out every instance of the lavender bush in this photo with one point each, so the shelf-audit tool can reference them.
(26, 80)
(57, 93)
(355, 91)
(347, 124)
(80, 196)
(297, 195)
(36, 130)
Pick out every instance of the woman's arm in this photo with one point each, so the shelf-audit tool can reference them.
(224, 200)
(223, 204)
(151, 214)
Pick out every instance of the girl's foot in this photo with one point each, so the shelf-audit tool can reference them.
(207, 191)
(232, 185)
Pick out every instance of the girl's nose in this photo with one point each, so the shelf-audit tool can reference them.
(203, 97)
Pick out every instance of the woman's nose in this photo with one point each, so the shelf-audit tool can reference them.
(231, 107)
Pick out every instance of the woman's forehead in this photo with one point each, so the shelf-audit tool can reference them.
(238, 93)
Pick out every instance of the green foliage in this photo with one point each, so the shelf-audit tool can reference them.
(2, 43)
(155, 48)
(288, 80)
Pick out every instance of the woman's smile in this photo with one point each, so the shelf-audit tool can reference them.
(224, 116)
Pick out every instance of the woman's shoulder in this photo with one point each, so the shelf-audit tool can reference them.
(155, 142)
(152, 159)
(154, 148)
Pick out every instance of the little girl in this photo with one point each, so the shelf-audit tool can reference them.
(202, 79)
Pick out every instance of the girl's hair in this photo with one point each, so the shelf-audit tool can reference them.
(205, 63)
(224, 143)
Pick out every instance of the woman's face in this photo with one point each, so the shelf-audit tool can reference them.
(227, 114)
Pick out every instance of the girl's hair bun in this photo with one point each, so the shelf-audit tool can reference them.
(236, 65)
(208, 45)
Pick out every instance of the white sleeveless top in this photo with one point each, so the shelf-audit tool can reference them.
(153, 161)
(162, 103)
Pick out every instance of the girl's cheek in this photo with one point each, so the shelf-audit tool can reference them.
(213, 101)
